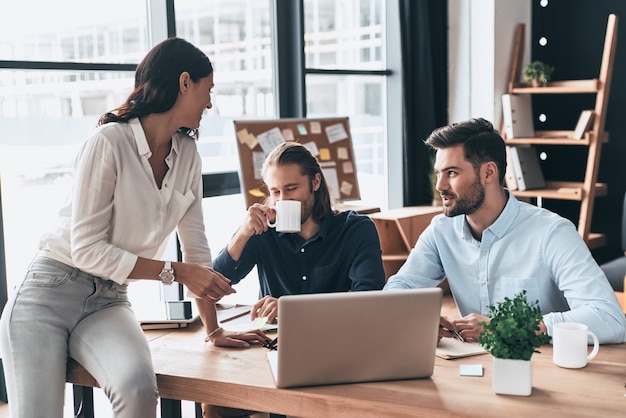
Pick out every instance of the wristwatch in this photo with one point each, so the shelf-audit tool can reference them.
(167, 274)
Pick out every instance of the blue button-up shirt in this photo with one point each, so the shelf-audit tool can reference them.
(344, 255)
(526, 248)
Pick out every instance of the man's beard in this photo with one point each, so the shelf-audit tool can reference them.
(468, 203)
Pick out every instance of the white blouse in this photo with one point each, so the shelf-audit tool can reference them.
(117, 213)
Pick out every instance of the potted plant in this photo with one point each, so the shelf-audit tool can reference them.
(537, 73)
(512, 336)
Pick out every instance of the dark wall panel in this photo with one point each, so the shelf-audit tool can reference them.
(575, 30)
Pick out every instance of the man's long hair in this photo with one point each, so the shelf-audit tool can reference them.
(296, 153)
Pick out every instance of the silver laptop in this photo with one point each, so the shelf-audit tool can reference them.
(349, 337)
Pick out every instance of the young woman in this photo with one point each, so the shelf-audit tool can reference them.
(136, 179)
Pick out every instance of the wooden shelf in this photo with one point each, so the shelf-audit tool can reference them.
(399, 230)
(559, 138)
(595, 240)
(559, 87)
(584, 192)
(563, 190)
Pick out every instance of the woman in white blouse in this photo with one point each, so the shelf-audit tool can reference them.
(136, 179)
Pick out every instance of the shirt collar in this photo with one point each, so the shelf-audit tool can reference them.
(142, 142)
(502, 223)
(325, 225)
(140, 138)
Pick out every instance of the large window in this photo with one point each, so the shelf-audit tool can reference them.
(49, 104)
(344, 49)
(62, 70)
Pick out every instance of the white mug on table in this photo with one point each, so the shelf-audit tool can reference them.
(569, 345)
(287, 216)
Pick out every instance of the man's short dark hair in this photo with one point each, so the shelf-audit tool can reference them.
(481, 142)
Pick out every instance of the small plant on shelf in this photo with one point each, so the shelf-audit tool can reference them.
(538, 73)
(512, 330)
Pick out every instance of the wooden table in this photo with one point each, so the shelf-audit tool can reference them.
(189, 369)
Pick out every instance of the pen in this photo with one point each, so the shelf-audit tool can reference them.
(272, 345)
(454, 333)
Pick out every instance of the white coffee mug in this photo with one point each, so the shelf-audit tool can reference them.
(287, 216)
(569, 345)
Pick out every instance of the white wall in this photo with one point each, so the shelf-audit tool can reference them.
(480, 46)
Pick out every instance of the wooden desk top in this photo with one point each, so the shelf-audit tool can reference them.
(189, 369)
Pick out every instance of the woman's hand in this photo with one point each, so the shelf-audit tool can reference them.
(202, 281)
(225, 338)
(265, 308)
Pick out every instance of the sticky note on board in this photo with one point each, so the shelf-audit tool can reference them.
(324, 154)
(316, 128)
(336, 132)
(256, 192)
(288, 134)
(258, 158)
(302, 129)
(348, 168)
(245, 137)
(251, 141)
(346, 188)
(242, 135)
(330, 174)
(270, 139)
(342, 153)
(312, 147)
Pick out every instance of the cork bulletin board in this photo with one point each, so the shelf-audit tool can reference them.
(328, 139)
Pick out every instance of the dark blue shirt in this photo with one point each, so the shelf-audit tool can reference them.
(344, 255)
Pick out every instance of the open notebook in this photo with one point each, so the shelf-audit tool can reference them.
(450, 348)
(356, 337)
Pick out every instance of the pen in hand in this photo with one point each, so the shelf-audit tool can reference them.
(454, 333)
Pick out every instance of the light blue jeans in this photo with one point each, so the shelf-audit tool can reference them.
(59, 311)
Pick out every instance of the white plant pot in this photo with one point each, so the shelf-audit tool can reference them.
(512, 377)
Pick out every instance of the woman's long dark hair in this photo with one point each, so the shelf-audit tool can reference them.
(157, 80)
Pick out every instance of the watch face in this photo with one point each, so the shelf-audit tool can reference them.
(167, 276)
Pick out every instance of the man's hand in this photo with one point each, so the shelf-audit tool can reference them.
(445, 328)
(239, 339)
(468, 326)
(266, 307)
(255, 222)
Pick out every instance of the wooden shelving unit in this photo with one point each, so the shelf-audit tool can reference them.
(587, 190)
(399, 230)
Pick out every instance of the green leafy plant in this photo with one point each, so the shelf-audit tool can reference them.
(539, 71)
(512, 332)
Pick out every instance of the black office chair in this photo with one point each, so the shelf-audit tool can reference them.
(615, 270)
